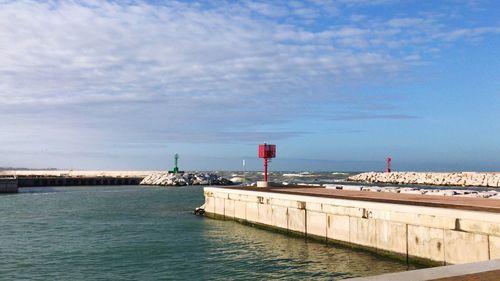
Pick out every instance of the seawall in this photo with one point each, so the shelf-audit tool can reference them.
(8, 185)
(411, 227)
(33, 178)
(75, 173)
(447, 179)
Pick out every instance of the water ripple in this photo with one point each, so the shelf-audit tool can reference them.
(142, 233)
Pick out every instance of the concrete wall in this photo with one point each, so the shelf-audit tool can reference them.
(8, 185)
(26, 181)
(446, 236)
(75, 173)
(32, 178)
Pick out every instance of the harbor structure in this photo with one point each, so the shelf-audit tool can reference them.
(175, 170)
(34, 178)
(473, 179)
(430, 229)
(266, 152)
(8, 185)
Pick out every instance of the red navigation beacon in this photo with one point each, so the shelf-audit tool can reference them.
(388, 168)
(267, 151)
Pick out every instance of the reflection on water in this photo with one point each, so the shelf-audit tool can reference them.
(148, 233)
(275, 255)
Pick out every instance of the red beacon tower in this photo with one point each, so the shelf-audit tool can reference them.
(267, 151)
(388, 169)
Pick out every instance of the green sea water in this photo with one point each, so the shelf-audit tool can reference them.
(150, 233)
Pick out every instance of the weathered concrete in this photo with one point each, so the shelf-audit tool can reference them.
(30, 178)
(487, 270)
(8, 185)
(413, 227)
(75, 173)
(448, 179)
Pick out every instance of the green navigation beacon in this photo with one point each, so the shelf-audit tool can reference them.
(175, 170)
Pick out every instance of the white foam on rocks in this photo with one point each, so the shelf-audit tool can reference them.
(182, 179)
(411, 190)
(445, 179)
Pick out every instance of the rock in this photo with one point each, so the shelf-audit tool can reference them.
(441, 192)
(371, 188)
(445, 179)
(472, 195)
(409, 190)
(308, 184)
(333, 186)
(183, 179)
(465, 192)
(352, 187)
(390, 189)
(237, 179)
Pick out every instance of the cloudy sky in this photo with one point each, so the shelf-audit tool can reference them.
(337, 85)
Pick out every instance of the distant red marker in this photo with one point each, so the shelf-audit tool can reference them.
(267, 151)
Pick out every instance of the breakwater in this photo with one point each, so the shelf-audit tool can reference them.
(31, 178)
(182, 179)
(8, 185)
(444, 179)
(459, 192)
(449, 230)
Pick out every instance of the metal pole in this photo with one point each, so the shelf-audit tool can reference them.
(244, 172)
(265, 169)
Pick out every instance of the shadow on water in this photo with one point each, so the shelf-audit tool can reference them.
(278, 255)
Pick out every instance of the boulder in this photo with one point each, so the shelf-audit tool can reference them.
(183, 179)
(445, 179)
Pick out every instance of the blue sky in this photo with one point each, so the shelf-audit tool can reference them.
(337, 85)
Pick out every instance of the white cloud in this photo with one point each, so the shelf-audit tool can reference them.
(226, 64)
(70, 53)
(468, 33)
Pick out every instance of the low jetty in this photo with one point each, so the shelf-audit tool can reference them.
(8, 185)
(414, 227)
(182, 179)
(33, 178)
(444, 179)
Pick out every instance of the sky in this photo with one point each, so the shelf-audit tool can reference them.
(336, 85)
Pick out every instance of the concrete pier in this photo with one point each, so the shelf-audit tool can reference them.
(433, 229)
(31, 178)
(8, 185)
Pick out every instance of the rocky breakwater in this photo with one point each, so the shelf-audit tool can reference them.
(182, 179)
(492, 194)
(444, 179)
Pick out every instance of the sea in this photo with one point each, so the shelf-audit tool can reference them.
(150, 233)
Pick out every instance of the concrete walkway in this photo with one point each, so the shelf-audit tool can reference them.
(488, 270)
(453, 202)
